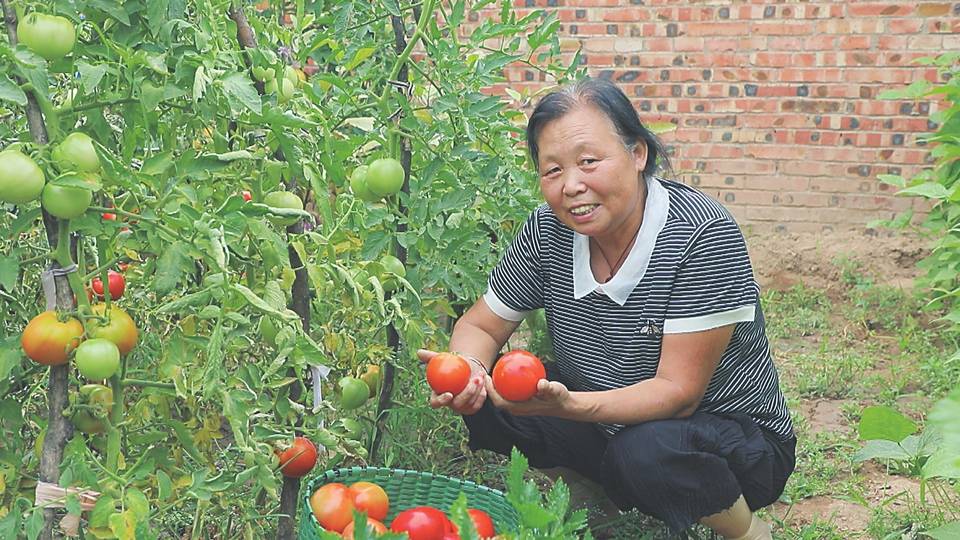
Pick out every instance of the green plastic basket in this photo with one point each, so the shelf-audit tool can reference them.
(407, 489)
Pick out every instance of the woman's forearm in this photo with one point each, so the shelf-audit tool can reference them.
(652, 399)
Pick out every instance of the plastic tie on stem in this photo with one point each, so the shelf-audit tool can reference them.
(48, 282)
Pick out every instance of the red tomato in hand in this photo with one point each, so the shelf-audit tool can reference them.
(115, 281)
(448, 372)
(299, 459)
(516, 375)
(420, 523)
(370, 498)
(332, 505)
(373, 526)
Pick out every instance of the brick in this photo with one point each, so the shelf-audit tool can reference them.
(626, 15)
(879, 9)
(933, 10)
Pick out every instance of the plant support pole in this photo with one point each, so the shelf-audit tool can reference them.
(59, 428)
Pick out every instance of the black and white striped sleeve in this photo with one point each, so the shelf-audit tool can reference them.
(516, 283)
(714, 285)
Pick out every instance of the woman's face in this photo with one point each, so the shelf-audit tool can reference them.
(587, 176)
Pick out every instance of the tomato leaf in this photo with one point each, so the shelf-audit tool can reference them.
(170, 266)
(9, 91)
(240, 87)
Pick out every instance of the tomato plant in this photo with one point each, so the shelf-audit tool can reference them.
(372, 378)
(297, 459)
(50, 36)
(21, 180)
(447, 372)
(245, 319)
(48, 340)
(420, 523)
(116, 284)
(332, 505)
(370, 498)
(516, 374)
(115, 325)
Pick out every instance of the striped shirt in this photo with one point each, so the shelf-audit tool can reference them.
(687, 271)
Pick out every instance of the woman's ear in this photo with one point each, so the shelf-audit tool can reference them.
(640, 155)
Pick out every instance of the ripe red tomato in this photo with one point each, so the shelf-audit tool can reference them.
(448, 372)
(451, 536)
(332, 505)
(109, 216)
(375, 527)
(370, 498)
(298, 459)
(516, 375)
(119, 328)
(116, 284)
(482, 523)
(247, 196)
(421, 523)
(48, 341)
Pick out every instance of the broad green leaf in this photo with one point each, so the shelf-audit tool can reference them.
(9, 91)
(157, 163)
(944, 463)
(358, 58)
(882, 449)
(90, 76)
(950, 531)
(881, 422)
(9, 271)
(170, 267)
(239, 86)
(929, 190)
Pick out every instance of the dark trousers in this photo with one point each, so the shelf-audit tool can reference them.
(677, 470)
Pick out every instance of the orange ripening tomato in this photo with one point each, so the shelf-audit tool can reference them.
(48, 341)
(516, 375)
(370, 498)
(375, 527)
(332, 505)
(119, 328)
(448, 372)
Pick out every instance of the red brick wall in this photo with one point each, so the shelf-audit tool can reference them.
(775, 102)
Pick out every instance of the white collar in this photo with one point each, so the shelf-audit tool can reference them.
(634, 267)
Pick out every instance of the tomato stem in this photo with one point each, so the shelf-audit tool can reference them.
(148, 384)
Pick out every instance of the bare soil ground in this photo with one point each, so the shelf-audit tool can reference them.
(781, 261)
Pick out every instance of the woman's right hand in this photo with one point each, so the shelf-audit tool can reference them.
(470, 399)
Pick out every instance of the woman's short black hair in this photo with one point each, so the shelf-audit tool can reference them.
(609, 99)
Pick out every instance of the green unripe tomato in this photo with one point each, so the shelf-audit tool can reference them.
(358, 184)
(97, 358)
(76, 153)
(385, 176)
(283, 199)
(285, 91)
(268, 331)
(353, 392)
(290, 74)
(264, 74)
(65, 202)
(21, 180)
(50, 36)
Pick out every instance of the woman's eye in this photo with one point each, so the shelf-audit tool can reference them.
(588, 161)
(551, 172)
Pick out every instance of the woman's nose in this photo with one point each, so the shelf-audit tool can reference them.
(573, 183)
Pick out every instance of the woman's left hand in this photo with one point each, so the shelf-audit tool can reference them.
(551, 399)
